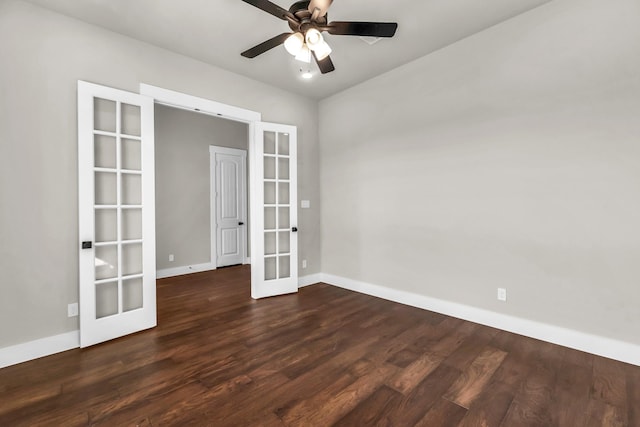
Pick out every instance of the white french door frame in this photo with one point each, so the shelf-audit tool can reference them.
(207, 107)
(254, 121)
(98, 327)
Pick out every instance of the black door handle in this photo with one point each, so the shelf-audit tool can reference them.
(241, 223)
(294, 229)
(87, 245)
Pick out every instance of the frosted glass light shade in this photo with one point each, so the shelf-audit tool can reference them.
(304, 55)
(294, 43)
(313, 38)
(322, 50)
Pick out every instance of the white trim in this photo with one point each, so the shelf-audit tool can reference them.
(598, 345)
(201, 105)
(187, 269)
(311, 279)
(601, 346)
(39, 348)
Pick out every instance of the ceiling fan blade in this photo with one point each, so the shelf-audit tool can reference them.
(322, 5)
(325, 65)
(370, 29)
(265, 46)
(271, 8)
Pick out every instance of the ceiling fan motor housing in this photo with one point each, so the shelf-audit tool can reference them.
(300, 10)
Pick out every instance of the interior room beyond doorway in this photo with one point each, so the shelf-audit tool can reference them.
(183, 206)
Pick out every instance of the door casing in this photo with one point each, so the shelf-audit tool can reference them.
(208, 107)
(204, 106)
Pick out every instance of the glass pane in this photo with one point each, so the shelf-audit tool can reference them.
(270, 168)
(105, 188)
(284, 271)
(269, 193)
(269, 268)
(104, 152)
(106, 225)
(269, 243)
(106, 262)
(131, 189)
(283, 144)
(131, 155)
(106, 299)
(284, 240)
(131, 259)
(130, 119)
(283, 218)
(131, 294)
(283, 168)
(283, 193)
(269, 218)
(269, 143)
(104, 115)
(131, 224)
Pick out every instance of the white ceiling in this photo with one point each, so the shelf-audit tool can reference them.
(216, 31)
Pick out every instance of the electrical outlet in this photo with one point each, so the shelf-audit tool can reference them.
(171, 258)
(304, 263)
(502, 294)
(72, 310)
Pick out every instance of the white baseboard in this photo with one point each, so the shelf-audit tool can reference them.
(187, 269)
(598, 345)
(309, 280)
(601, 346)
(38, 348)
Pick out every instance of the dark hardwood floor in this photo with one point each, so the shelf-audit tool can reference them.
(325, 356)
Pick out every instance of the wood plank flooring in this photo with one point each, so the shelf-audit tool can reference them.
(322, 357)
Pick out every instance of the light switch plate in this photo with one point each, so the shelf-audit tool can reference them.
(305, 204)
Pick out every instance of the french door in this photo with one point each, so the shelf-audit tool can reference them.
(116, 213)
(274, 214)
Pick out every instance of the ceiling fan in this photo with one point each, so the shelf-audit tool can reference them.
(307, 20)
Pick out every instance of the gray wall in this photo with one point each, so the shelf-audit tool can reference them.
(509, 159)
(44, 54)
(182, 181)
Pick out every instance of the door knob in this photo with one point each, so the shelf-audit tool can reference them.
(294, 229)
(87, 245)
(240, 223)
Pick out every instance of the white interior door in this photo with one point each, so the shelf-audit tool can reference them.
(230, 200)
(274, 218)
(116, 213)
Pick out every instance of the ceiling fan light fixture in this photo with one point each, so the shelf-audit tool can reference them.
(322, 50)
(313, 38)
(304, 55)
(294, 43)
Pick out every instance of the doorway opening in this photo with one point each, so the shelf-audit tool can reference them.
(197, 216)
(117, 206)
(184, 206)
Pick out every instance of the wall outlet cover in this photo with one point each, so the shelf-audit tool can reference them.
(72, 310)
